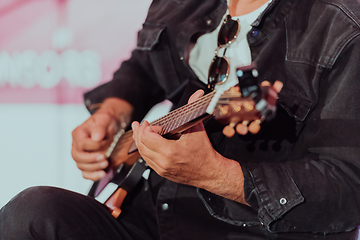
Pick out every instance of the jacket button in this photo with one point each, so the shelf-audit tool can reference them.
(165, 206)
(255, 33)
(283, 201)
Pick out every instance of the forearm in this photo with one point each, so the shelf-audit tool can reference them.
(227, 180)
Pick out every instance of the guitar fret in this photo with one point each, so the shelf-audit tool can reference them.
(187, 118)
(191, 115)
(183, 114)
(175, 123)
(165, 128)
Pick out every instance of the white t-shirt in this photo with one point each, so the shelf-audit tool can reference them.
(238, 53)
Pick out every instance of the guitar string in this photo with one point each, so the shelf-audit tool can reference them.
(190, 111)
(176, 112)
(200, 105)
(163, 121)
(180, 116)
(186, 115)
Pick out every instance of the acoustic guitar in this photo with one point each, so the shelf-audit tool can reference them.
(242, 107)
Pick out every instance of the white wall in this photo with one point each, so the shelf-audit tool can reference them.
(35, 143)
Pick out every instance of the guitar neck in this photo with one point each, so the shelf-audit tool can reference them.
(184, 116)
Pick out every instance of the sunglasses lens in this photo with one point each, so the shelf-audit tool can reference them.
(219, 68)
(228, 32)
(218, 71)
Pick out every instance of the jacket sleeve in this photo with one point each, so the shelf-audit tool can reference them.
(151, 74)
(134, 82)
(317, 188)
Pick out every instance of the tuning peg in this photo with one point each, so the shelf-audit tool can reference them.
(242, 128)
(223, 110)
(229, 131)
(254, 126)
(265, 84)
(278, 86)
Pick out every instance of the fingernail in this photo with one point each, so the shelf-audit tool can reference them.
(102, 174)
(96, 137)
(104, 164)
(100, 158)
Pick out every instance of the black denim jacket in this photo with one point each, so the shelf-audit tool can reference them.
(302, 171)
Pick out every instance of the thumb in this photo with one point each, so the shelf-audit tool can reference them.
(97, 133)
(198, 127)
(104, 125)
(155, 129)
(196, 95)
(150, 128)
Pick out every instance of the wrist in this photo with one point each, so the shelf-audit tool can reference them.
(119, 109)
(229, 180)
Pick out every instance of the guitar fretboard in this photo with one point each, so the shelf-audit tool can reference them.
(184, 114)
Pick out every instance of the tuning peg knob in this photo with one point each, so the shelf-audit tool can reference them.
(242, 128)
(228, 131)
(254, 127)
(278, 86)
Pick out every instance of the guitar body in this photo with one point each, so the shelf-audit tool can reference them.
(125, 151)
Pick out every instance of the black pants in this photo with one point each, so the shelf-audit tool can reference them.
(53, 213)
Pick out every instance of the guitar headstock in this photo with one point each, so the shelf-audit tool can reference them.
(244, 110)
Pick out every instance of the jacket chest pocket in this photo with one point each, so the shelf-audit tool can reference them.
(296, 106)
(153, 39)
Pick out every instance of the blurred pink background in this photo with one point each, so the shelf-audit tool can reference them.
(51, 51)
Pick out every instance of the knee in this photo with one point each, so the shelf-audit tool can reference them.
(34, 201)
(29, 206)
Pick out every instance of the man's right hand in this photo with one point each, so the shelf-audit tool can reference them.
(92, 138)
